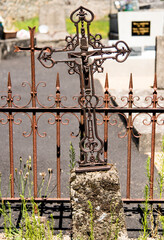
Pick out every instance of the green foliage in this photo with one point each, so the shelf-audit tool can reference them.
(148, 210)
(30, 226)
(100, 26)
(146, 204)
(60, 235)
(72, 156)
(160, 178)
(91, 237)
(24, 24)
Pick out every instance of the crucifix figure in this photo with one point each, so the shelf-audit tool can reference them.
(86, 55)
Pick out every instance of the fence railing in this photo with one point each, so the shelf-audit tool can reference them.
(87, 111)
(129, 111)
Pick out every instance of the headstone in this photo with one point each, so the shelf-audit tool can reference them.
(160, 61)
(139, 29)
(97, 207)
(53, 16)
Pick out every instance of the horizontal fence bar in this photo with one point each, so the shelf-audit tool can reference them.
(46, 200)
(125, 200)
(67, 200)
(108, 110)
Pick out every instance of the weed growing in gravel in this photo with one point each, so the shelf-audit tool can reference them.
(30, 226)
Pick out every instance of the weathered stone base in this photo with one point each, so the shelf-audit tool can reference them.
(102, 190)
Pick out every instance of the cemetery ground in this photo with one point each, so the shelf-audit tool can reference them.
(117, 151)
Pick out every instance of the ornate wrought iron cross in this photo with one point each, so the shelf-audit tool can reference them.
(85, 62)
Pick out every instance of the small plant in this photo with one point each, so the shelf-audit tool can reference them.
(72, 156)
(114, 222)
(91, 221)
(60, 236)
(148, 215)
(23, 177)
(31, 226)
(160, 178)
(146, 204)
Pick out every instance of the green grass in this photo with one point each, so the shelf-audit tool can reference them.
(24, 24)
(98, 26)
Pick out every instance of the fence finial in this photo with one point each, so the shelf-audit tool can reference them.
(155, 82)
(131, 82)
(106, 83)
(57, 82)
(9, 82)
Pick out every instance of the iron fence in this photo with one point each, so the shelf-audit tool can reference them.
(93, 149)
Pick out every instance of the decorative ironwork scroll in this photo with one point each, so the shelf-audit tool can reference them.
(85, 63)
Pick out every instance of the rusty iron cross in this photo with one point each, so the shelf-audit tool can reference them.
(85, 62)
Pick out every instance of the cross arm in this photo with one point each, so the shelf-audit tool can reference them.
(19, 49)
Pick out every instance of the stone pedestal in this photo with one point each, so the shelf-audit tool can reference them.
(102, 190)
(160, 61)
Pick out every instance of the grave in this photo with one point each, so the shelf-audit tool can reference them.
(52, 16)
(159, 63)
(139, 29)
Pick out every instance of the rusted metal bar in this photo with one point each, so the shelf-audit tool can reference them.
(82, 124)
(32, 50)
(58, 100)
(33, 95)
(142, 200)
(48, 200)
(10, 120)
(154, 119)
(106, 103)
(77, 110)
(67, 200)
(130, 102)
(82, 131)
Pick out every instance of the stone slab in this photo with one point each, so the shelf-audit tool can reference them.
(125, 19)
(160, 61)
(53, 16)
